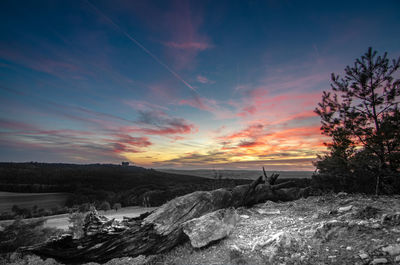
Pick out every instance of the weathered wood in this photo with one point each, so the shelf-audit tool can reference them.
(161, 230)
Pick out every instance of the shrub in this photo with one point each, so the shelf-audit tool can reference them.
(116, 206)
(105, 206)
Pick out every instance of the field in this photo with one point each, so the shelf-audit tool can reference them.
(237, 174)
(28, 200)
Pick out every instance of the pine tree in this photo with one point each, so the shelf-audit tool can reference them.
(362, 112)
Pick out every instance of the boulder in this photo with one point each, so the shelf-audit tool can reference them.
(393, 250)
(210, 227)
(379, 261)
(391, 219)
(366, 212)
(345, 209)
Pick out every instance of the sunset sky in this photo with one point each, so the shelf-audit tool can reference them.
(178, 84)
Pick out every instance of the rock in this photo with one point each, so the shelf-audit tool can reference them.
(345, 209)
(261, 242)
(366, 212)
(315, 216)
(379, 261)
(139, 260)
(391, 219)
(341, 194)
(235, 247)
(244, 216)
(295, 255)
(345, 202)
(331, 229)
(349, 248)
(393, 250)
(262, 211)
(364, 256)
(210, 227)
(397, 259)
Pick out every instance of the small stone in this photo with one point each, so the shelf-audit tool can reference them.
(379, 261)
(376, 226)
(364, 256)
(235, 247)
(349, 248)
(397, 258)
(262, 211)
(331, 257)
(244, 216)
(315, 216)
(345, 209)
(295, 255)
(302, 258)
(393, 250)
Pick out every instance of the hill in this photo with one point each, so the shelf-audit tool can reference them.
(236, 174)
(96, 183)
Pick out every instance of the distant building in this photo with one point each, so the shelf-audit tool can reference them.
(125, 164)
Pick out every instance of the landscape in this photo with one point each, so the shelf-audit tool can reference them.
(185, 132)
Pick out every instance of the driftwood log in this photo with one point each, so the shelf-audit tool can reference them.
(161, 230)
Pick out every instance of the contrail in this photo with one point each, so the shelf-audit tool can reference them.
(142, 47)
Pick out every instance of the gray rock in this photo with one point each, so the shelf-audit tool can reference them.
(393, 250)
(391, 219)
(345, 209)
(379, 261)
(210, 227)
(364, 256)
(341, 194)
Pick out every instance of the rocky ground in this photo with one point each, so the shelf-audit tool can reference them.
(330, 229)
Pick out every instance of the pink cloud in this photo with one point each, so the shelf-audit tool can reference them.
(53, 63)
(199, 46)
(184, 38)
(220, 109)
(204, 80)
(199, 103)
(127, 143)
(143, 105)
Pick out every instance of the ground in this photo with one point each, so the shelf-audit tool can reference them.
(330, 229)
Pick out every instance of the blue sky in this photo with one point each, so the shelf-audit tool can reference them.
(182, 84)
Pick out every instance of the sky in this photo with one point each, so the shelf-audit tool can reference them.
(178, 84)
